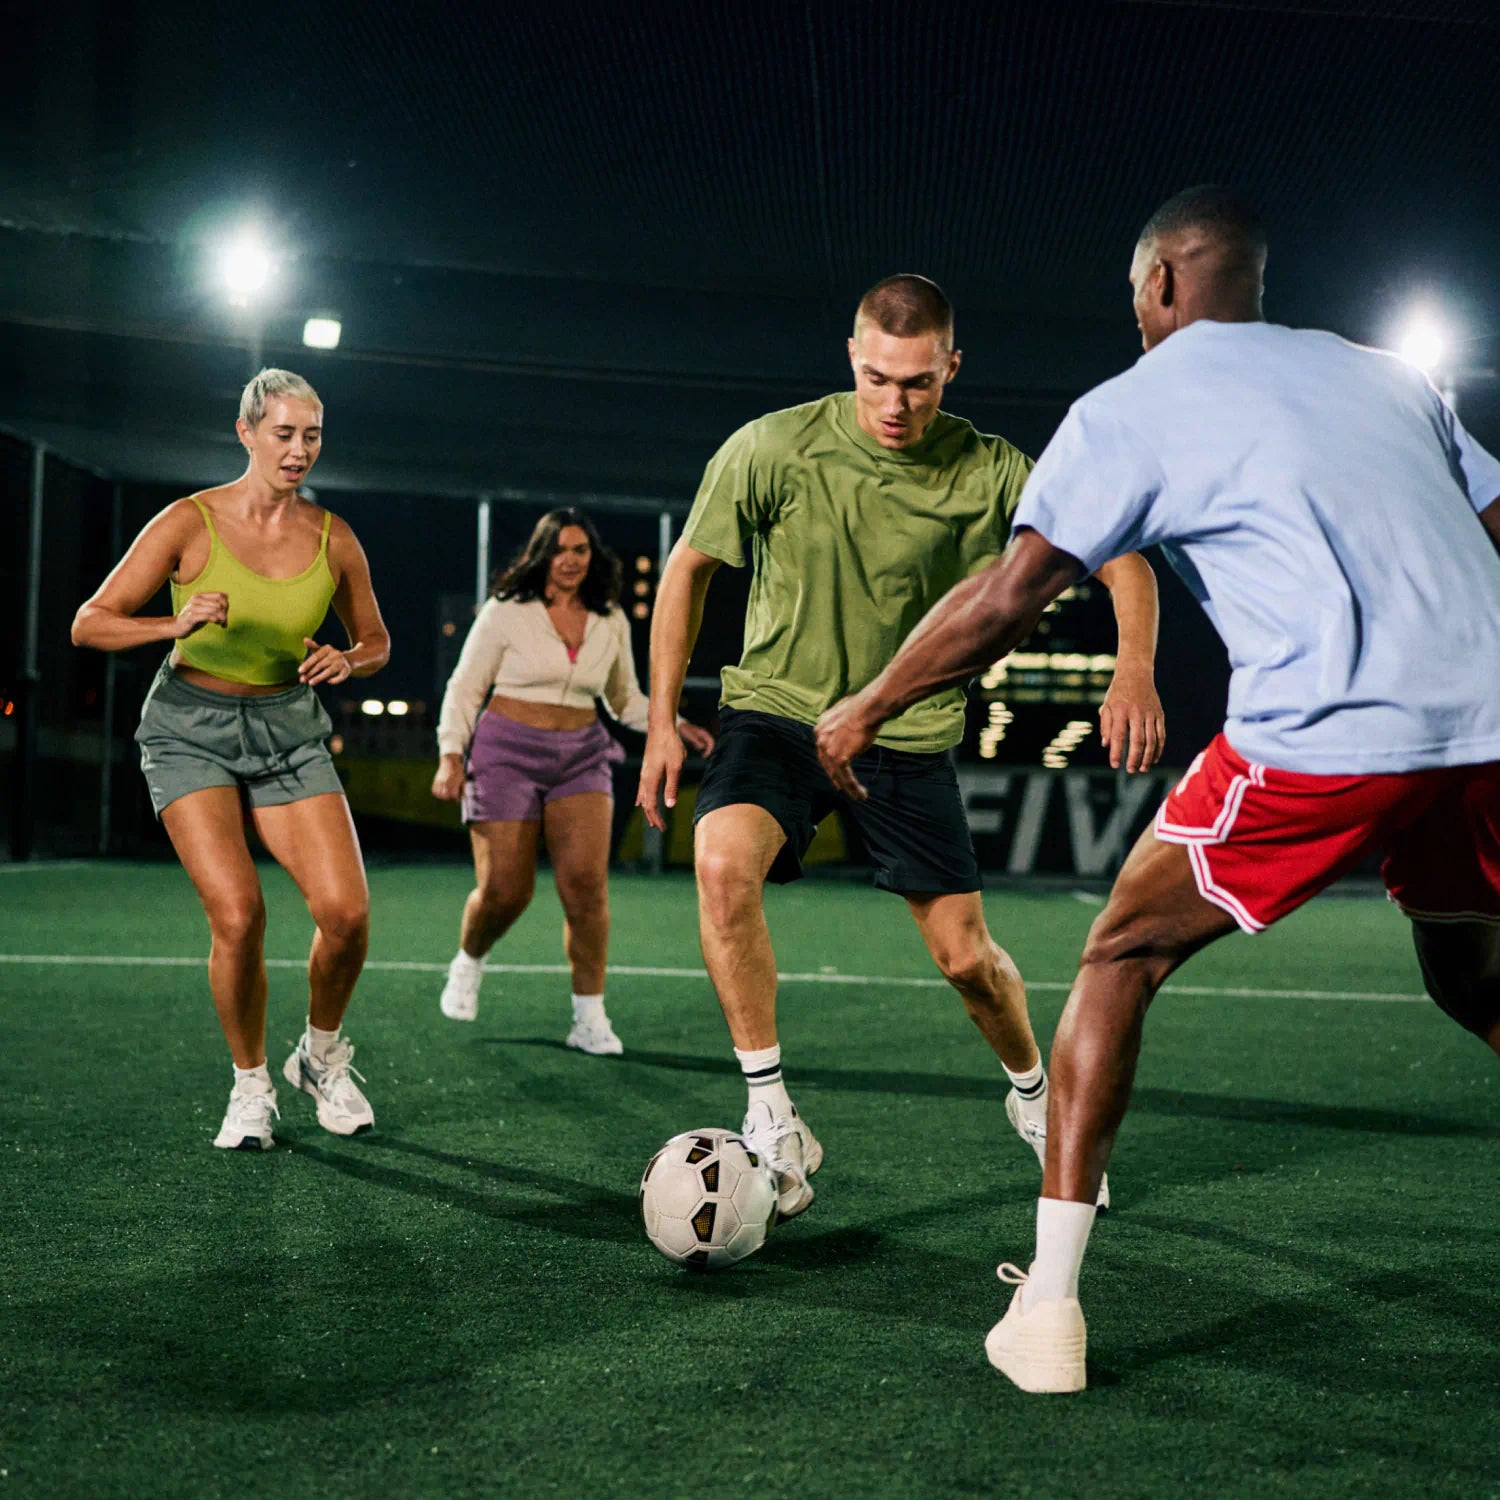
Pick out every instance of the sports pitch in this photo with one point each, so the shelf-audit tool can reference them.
(1296, 1294)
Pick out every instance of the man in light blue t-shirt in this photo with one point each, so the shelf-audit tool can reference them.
(1340, 529)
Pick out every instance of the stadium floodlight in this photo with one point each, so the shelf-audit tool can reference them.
(245, 266)
(1423, 343)
(398, 708)
(373, 707)
(322, 333)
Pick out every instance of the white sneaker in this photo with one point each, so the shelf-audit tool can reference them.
(247, 1121)
(1040, 1348)
(341, 1107)
(460, 997)
(790, 1150)
(1035, 1136)
(595, 1035)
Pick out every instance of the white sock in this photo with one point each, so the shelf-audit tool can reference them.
(762, 1070)
(318, 1042)
(261, 1074)
(1031, 1090)
(588, 1007)
(1062, 1235)
(464, 961)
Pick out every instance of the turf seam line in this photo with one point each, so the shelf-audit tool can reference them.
(416, 966)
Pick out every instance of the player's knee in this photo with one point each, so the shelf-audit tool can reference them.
(500, 899)
(727, 888)
(969, 967)
(1134, 938)
(237, 920)
(344, 922)
(583, 900)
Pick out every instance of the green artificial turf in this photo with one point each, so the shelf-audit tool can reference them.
(1296, 1294)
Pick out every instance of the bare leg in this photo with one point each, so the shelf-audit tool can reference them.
(577, 833)
(1461, 967)
(734, 848)
(988, 983)
(1154, 920)
(314, 841)
(207, 829)
(504, 879)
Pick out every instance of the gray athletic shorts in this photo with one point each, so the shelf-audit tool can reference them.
(274, 748)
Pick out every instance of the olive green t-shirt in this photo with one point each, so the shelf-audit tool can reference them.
(851, 545)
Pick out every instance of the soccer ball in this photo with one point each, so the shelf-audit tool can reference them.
(707, 1200)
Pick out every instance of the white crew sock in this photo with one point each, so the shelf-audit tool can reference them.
(318, 1042)
(465, 962)
(1062, 1235)
(261, 1074)
(762, 1070)
(588, 1007)
(1031, 1090)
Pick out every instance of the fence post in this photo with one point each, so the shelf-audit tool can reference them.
(23, 811)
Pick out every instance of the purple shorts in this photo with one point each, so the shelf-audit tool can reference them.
(515, 769)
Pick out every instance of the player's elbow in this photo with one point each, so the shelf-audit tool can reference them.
(82, 631)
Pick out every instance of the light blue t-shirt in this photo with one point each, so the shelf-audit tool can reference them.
(1320, 501)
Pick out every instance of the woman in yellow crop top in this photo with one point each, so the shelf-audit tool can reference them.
(521, 746)
(231, 729)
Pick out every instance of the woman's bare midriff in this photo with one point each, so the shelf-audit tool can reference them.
(541, 715)
(212, 684)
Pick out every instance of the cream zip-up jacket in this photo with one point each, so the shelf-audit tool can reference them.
(513, 649)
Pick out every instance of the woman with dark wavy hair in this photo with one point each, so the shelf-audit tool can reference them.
(521, 746)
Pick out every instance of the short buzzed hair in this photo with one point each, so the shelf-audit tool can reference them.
(905, 307)
(1222, 213)
(269, 383)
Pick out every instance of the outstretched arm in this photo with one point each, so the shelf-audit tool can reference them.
(984, 618)
(1131, 714)
(674, 632)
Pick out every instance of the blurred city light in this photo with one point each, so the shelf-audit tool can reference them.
(1423, 342)
(245, 266)
(322, 333)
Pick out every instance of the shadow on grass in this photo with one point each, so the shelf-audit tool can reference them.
(1154, 1101)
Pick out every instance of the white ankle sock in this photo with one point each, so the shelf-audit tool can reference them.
(261, 1073)
(1031, 1090)
(1062, 1235)
(762, 1070)
(588, 1007)
(318, 1042)
(465, 961)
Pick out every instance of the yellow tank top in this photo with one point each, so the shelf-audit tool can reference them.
(268, 617)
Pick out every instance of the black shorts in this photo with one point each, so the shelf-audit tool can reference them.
(913, 823)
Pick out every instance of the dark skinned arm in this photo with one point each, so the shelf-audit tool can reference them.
(984, 618)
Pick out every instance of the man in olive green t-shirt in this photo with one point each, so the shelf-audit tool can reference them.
(861, 511)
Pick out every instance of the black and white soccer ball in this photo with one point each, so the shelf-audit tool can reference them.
(707, 1200)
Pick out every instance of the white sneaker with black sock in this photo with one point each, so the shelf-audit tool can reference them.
(775, 1132)
(460, 998)
(591, 1031)
(1026, 1109)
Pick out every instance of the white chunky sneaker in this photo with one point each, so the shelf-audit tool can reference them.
(460, 997)
(247, 1121)
(790, 1150)
(595, 1035)
(1035, 1136)
(1040, 1348)
(342, 1109)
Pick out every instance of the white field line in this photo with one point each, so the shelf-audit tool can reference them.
(30, 867)
(885, 981)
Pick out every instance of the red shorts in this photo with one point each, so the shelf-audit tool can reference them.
(1264, 841)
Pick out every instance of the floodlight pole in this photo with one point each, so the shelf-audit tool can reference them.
(482, 552)
(23, 817)
(111, 667)
(654, 844)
